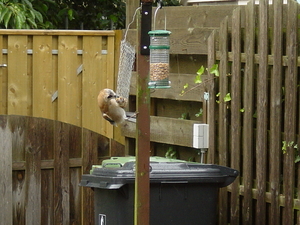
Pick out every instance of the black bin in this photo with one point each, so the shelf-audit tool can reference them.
(181, 193)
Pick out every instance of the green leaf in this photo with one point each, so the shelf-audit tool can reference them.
(214, 70)
(198, 79)
(6, 18)
(217, 95)
(70, 14)
(227, 98)
(242, 110)
(18, 22)
(297, 159)
(38, 16)
(283, 148)
(200, 71)
(186, 86)
(3, 13)
(200, 113)
(31, 22)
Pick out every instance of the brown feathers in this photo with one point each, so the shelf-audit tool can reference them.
(112, 106)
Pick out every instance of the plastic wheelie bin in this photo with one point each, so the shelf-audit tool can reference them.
(180, 192)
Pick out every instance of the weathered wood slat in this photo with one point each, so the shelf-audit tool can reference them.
(262, 113)
(166, 130)
(46, 164)
(47, 193)
(75, 196)
(33, 148)
(211, 60)
(275, 116)
(235, 129)
(42, 76)
(248, 105)
(90, 146)
(291, 104)
(271, 59)
(6, 181)
(61, 175)
(223, 142)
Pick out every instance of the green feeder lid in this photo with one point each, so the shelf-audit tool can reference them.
(159, 32)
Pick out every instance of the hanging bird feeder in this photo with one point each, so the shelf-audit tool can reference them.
(159, 59)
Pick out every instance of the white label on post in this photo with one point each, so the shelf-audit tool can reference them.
(102, 219)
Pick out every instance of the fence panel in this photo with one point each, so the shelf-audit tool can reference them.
(264, 88)
(41, 166)
(58, 75)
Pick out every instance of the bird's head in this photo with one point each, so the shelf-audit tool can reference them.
(110, 94)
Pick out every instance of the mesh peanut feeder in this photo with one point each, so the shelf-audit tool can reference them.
(159, 59)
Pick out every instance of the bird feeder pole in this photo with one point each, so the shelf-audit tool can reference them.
(142, 182)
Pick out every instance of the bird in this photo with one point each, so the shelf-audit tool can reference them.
(112, 106)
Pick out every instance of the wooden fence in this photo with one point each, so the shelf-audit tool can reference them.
(41, 165)
(257, 132)
(58, 74)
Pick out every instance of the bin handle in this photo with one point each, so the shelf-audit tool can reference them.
(112, 164)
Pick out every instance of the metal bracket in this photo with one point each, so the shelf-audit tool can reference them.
(54, 96)
(3, 65)
(79, 69)
(146, 20)
(206, 96)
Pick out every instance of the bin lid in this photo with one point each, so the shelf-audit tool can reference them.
(118, 171)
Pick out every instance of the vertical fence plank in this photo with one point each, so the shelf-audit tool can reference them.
(18, 129)
(2, 97)
(248, 99)
(75, 196)
(47, 193)
(69, 84)
(275, 115)
(91, 84)
(110, 73)
(236, 96)
(61, 174)
(290, 120)
(89, 158)
(211, 60)
(42, 77)
(33, 147)
(18, 98)
(6, 213)
(223, 115)
(262, 113)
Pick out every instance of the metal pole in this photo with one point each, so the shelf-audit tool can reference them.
(142, 183)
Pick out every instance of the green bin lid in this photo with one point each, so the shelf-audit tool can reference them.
(159, 32)
(118, 171)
